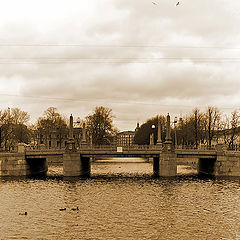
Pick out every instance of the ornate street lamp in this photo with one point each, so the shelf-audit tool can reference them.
(152, 135)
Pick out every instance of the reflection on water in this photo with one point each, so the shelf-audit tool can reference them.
(121, 200)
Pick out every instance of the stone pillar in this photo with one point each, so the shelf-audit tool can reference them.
(71, 143)
(84, 141)
(168, 131)
(71, 127)
(159, 134)
(168, 141)
(21, 148)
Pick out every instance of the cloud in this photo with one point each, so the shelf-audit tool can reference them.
(137, 58)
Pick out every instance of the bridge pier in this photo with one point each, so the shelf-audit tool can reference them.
(227, 162)
(166, 164)
(75, 166)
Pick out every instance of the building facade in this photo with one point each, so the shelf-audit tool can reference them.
(126, 138)
(55, 139)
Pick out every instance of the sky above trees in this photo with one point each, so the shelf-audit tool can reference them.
(138, 58)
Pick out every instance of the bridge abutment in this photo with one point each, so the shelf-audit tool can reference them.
(13, 164)
(227, 163)
(17, 165)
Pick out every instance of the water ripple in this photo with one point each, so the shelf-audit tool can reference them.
(120, 203)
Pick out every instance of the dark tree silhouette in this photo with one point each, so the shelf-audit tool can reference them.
(100, 126)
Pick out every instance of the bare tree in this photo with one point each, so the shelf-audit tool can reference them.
(19, 117)
(52, 122)
(13, 128)
(199, 127)
(212, 117)
(100, 125)
(230, 128)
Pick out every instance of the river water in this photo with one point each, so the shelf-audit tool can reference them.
(121, 200)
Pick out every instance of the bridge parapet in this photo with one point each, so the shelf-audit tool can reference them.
(202, 147)
(128, 151)
(112, 147)
(196, 152)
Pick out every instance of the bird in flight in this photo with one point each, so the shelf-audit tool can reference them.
(154, 3)
(177, 3)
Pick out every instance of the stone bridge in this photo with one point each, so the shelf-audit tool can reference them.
(217, 161)
(76, 162)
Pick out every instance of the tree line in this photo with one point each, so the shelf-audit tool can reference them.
(199, 127)
(15, 127)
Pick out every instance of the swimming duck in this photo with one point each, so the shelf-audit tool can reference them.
(62, 209)
(25, 213)
(74, 209)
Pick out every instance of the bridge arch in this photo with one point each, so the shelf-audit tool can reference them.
(206, 166)
(37, 166)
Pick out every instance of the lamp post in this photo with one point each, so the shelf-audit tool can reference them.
(152, 135)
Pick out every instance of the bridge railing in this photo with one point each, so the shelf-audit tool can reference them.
(235, 147)
(119, 148)
(115, 148)
(111, 148)
(191, 147)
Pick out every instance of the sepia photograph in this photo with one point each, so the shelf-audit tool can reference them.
(119, 119)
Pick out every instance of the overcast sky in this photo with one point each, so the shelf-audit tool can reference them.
(138, 57)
